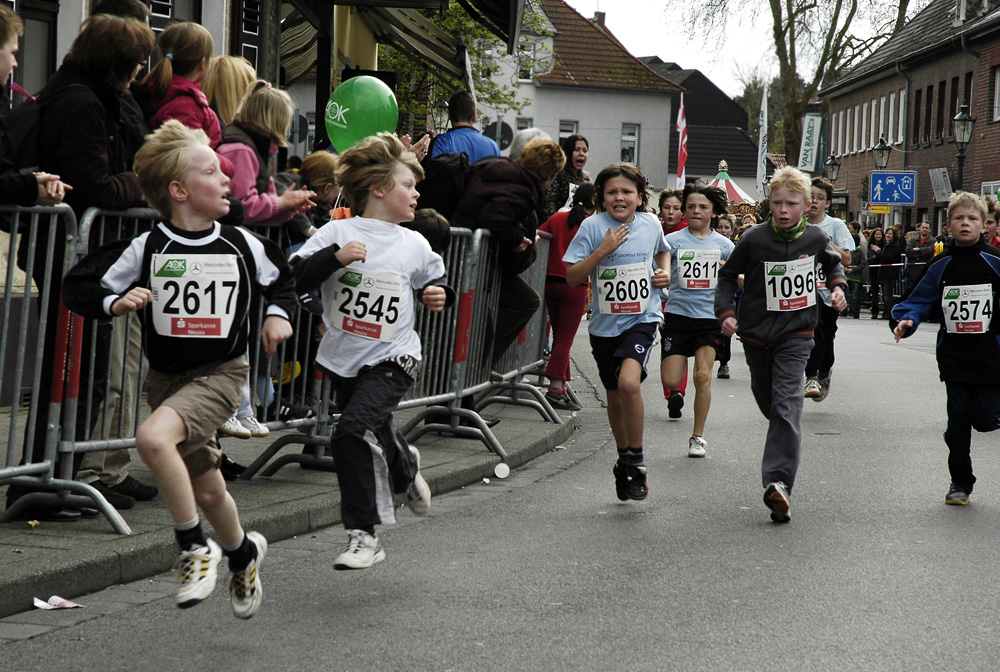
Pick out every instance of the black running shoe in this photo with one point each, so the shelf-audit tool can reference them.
(621, 481)
(637, 488)
(776, 498)
(674, 405)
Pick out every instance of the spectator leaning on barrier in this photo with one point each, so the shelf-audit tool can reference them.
(371, 350)
(16, 188)
(90, 153)
(960, 287)
(501, 196)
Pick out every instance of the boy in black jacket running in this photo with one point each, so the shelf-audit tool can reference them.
(190, 281)
(960, 287)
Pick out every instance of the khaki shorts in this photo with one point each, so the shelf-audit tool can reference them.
(204, 398)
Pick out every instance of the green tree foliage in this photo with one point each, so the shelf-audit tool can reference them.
(753, 91)
(815, 42)
(422, 92)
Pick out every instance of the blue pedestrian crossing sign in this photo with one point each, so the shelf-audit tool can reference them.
(893, 188)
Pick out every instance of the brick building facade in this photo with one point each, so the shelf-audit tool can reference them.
(907, 93)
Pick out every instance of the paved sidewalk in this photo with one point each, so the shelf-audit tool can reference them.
(73, 559)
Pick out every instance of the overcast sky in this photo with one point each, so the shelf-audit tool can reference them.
(646, 29)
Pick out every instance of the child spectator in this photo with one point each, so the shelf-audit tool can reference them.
(370, 349)
(195, 348)
(617, 248)
(186, 49)
(960, 288)
(260, 127)
(227, 80)
(566, 305)
(779, 261)
(726, 228)
(433, 227)
(690, 327)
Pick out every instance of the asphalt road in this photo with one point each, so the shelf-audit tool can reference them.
(546, 570)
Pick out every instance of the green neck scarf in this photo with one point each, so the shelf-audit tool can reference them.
(788, 235)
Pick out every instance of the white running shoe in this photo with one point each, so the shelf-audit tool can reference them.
(418, 495)
(245, 589)
(233, 427)
(697, 446)
(813, 389)
(255, 427)
(824, 387)
(197, 570)
(363, 551)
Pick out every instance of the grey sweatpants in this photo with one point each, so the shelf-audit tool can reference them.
(776, 381)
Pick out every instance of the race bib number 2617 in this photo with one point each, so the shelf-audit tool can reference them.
(194, 295)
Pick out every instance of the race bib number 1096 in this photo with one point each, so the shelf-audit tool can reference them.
(790, 285)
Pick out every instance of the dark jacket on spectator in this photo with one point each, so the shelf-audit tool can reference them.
(891, 253)
(918, 253)
(501, 196)
(82, 139)
(15, 189)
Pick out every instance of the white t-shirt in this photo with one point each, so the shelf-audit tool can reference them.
(368, 307)
(837, 231)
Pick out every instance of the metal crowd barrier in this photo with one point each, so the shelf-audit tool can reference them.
(96, 401)
(41, 241)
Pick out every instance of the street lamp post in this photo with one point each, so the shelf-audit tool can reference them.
(832, 168)
(881, 154)
(963, 134)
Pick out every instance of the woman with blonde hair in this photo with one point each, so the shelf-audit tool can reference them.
(186, 49)
(226, 82)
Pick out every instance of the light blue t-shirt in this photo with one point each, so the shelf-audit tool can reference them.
(693, 263)
(622, 280)
(837, 231)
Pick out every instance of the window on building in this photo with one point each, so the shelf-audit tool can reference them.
(928, 111)
(967, 90)
(847, 131)
(917, 111)
(247, 39)
(860, 121)
(872, 140)
(901, 125)
(953, 105)
(939, 119)
(881, 117)
(37, 56)
(525, 60)
(630, 143)
(892, 118)
(840, 133)
(524, 122)
(568, 128)
(995, 79)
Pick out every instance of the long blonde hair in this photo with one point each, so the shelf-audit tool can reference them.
(226, 82)
(266, 110)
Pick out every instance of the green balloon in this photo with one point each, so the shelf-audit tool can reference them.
(360, 107)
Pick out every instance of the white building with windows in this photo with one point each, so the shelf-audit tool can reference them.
(582, 80)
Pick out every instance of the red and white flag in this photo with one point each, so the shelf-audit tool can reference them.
(682, 145)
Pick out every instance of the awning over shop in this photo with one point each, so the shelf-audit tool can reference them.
(412, 33)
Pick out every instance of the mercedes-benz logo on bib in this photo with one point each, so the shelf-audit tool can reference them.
(195, 268)
(369, 282)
